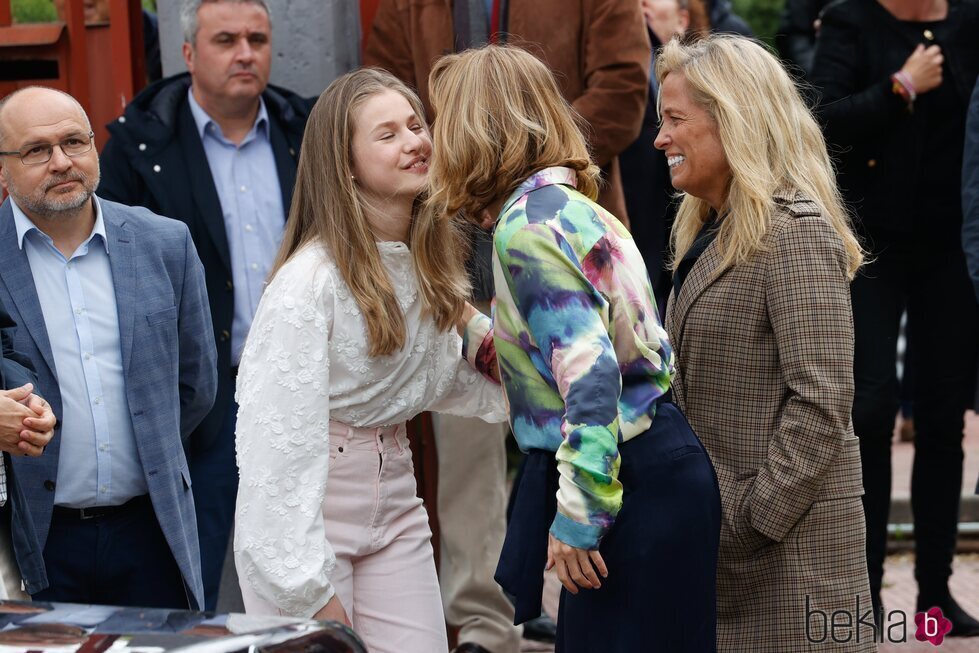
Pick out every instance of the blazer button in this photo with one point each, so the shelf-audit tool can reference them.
(871, 163)
(230, 286)
(49, 486)
(225, 336)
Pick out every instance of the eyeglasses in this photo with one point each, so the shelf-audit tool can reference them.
(40, 153)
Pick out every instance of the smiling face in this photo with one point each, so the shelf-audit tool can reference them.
(690, 138)
(62, 185)
(231, 57)
(391, 147)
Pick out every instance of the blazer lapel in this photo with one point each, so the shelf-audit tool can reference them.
(704, 272)
(122, 244)
(202, 183)
(16, 275)
(286, 158)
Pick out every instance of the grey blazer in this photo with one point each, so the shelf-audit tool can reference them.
(168, 358)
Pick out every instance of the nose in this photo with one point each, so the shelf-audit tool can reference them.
(414, 141)
(244, 50)
(59, 160)
(662, 140)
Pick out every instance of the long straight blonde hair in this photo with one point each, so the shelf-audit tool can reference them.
(328, 208)
(770, 139)
(499, 118)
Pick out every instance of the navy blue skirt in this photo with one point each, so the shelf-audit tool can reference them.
(661, 552)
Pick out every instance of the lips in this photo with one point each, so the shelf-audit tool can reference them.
(418, 164)
(62, 184)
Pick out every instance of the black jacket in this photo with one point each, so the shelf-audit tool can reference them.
(879, 145)
(796, 37)
(970, 193)
(155, 159)
(15, 371)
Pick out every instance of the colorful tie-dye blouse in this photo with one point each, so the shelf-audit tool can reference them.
(581, 350)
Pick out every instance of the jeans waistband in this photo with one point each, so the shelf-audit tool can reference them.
(380, 438)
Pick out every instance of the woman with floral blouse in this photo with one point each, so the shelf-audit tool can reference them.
(617, 492)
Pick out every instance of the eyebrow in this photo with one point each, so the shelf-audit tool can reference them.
(247, 33)
(43, 142)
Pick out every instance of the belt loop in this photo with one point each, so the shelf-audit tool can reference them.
(401, 437)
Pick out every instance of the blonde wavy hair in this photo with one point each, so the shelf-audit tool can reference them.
(328, 208)
(770, 139)
(499, 119)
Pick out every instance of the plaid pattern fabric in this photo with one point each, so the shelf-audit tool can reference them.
(764, 355)
(3, 483)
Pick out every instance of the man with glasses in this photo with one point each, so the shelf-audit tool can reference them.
(111, 307)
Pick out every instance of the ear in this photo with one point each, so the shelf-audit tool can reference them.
(683, 20)
(188, 52)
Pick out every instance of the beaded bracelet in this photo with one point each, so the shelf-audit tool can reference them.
(902, 85)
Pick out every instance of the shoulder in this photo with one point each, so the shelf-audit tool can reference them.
(309, 275)
(152, 114)
(147, 224)
(800, 225)
(288, 107)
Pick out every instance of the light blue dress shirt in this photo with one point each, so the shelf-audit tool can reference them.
(98, 462)
(248, 188)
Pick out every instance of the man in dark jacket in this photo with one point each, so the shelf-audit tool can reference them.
(217, 149)
(26, 426)
(970, 201)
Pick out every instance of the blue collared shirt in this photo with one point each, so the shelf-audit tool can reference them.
(98, 462)
(247, 182)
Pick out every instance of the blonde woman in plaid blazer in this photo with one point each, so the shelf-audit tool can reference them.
(760, 322)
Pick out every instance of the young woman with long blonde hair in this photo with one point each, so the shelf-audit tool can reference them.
(355, 334)
(616, 492)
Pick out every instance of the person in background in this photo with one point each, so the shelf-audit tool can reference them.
(600, 53)
(723, 20)
(763, 254)
(645, 175)
(110, 303)
(355, 335)
(895, 78)
(616, 494)
(216, 148)
(26, 428)
(970, 203)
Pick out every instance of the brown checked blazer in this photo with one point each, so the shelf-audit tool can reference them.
(598, 50)
(764, 354)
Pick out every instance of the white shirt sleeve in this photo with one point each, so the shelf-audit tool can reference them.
(282, 443)
(468, 393)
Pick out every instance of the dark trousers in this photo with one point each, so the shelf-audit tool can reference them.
(118, 559)
(933, 285)
(215, 476)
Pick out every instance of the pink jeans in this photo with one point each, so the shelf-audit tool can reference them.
(385, 574)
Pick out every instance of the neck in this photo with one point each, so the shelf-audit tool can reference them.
(235, 117)
(68, 229)
(389, 220)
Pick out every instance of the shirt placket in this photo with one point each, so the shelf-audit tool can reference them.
(248, 227)
(93, 381)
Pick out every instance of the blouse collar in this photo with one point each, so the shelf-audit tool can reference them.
(557, 175)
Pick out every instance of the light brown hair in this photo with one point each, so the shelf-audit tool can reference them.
(328, 208)
(499, 118)
(770, 139)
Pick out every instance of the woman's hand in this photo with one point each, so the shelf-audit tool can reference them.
(575, 567)
(924, 67)
(468, 312)
(333, 611)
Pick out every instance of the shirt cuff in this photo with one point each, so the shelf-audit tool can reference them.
(478, 347)
(576, 534)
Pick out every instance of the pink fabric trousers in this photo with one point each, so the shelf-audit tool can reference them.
(385, 573)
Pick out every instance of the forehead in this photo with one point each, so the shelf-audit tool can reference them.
(214, 17)
(42, 116)
(381, 107)
(675, 94)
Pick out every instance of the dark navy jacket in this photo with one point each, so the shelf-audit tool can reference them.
(155, 159)
(15, 371)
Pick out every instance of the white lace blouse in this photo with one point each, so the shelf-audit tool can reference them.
(305, 363)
